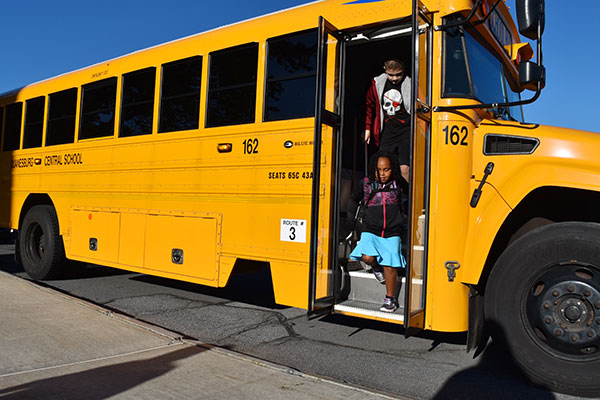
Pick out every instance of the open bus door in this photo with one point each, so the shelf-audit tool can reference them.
(416, 272)
(326, 147)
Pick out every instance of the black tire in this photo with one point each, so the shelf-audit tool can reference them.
(542, 302)
(40, 244)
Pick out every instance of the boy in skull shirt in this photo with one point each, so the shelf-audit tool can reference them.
(387, 116)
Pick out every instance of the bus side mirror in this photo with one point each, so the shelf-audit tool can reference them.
(530, 74)
(530, 13)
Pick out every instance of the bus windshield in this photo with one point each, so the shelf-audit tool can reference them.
(472, 71)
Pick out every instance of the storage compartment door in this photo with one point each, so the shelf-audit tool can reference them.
(95, 235)
(182, 245)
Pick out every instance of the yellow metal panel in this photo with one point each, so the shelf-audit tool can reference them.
(290, 283)
(447, 300)
(99, 226)
(196, 237)
(132, 239)
(564, 158)
(483, 227)
(226, 264)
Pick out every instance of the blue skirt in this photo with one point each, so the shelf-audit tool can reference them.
(387, 250)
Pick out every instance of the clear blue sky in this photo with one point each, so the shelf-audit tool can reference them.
(45, 38)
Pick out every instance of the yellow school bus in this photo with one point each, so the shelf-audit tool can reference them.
(237, 147)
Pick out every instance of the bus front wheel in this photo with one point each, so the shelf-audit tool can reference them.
(40, 244)
(542, 302)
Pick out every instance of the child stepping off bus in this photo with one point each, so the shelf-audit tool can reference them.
(380, 245)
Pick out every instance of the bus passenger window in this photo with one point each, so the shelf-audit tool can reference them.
(137, 109)
(232, 86)
(98, 109)
(291, 76)
(62, 107)
(180, 95)
(12, 127)
(34, 122)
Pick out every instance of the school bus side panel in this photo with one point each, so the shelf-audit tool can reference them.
(564, 158)
(446, 307)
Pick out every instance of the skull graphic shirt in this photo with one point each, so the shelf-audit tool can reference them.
(396, 120)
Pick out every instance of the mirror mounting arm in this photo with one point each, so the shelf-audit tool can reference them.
(461, 22)
(488, 14)
(492, 105)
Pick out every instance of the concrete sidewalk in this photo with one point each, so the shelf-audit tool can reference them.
(53, 346)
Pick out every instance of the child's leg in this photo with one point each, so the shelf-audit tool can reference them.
(390, 280)
(390, 303)
(375, 267)
(371, 260)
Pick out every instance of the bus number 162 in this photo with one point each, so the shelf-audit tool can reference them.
(251, 146)
(456, 135)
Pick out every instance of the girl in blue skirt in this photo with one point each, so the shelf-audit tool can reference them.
(380, 245)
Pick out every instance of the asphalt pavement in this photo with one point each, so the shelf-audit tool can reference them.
(54, 346)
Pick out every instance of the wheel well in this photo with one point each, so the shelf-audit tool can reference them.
(245, 266)
(543, 206)
(34, 199)
(254, 279)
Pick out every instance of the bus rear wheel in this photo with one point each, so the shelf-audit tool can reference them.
(40, 244)
(542, 302)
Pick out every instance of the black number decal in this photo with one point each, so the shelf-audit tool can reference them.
(292, 233)
(464, 130)
(251, 146)
(453, 135)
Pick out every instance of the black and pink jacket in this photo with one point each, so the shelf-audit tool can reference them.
(383, 211)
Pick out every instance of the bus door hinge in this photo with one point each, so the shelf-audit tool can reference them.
(477, 193)
(452, 266)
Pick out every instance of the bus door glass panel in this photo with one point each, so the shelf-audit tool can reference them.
(327, 126)
(419, 185)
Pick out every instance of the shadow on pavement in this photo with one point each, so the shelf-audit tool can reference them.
(73, 270)
(495, 377)
(360, 323)
(8, 264)
(102, 382)
(255, 288)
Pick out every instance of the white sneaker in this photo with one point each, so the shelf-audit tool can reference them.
(366, 266)
(389, 305)
(378, 271)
